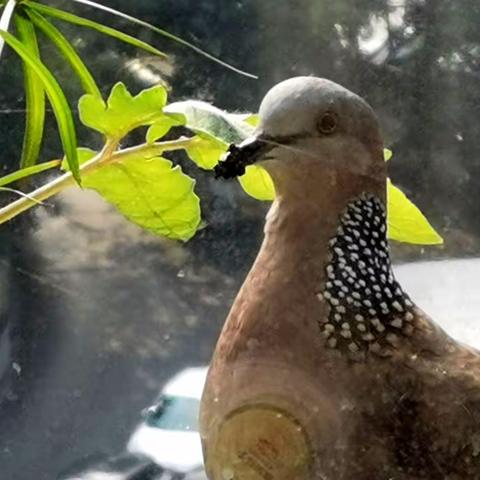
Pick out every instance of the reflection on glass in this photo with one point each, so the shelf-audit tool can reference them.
(174, 413)
(168, 435)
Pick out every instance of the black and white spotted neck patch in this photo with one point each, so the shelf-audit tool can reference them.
(368, 310)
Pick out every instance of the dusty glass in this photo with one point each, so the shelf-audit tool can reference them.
(97, 317)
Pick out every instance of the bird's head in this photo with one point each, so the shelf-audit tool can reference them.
(309, 125)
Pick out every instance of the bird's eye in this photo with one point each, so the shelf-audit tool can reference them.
(328, 123)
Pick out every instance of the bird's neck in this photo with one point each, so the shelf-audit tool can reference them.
(325, 253)
(305, 217)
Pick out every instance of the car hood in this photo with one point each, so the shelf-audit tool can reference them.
(180, 451)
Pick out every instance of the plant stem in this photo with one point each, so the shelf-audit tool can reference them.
(105, 157)
(5, 20)
(40, 194)
(179, 40)
(152, 149)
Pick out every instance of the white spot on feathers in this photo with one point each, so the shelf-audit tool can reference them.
(361, 289)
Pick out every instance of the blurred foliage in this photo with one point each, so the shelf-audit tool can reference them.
(416, 62)
(29, 18)
(160, 198)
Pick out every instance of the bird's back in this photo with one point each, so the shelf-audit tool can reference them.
(416, 415)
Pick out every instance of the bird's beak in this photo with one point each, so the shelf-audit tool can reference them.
(239, 157)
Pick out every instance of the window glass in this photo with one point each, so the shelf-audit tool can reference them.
(176, 413)
(98, 315)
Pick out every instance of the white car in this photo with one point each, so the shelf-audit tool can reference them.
(169, 432)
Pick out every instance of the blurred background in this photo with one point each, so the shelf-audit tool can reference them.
(96, 315)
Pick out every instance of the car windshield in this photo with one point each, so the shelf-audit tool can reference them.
(175, 413)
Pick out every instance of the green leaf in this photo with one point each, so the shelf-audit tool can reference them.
(257, 183)
(27, 172)
(406, 223)
(34, 96)
(202, 116)
(205, 150)
(162, 126)
(122, 113)
(61, 109)
(84, 22)
(165, 34)
(215, 130)
(67, 50)
(387, 154)
(252, 119)
(149, 192)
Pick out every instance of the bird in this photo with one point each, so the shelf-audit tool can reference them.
(325, 368)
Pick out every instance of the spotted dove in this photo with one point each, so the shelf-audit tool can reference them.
(325, 368)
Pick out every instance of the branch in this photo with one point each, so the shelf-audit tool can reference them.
(152, 149)
(104, 157)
